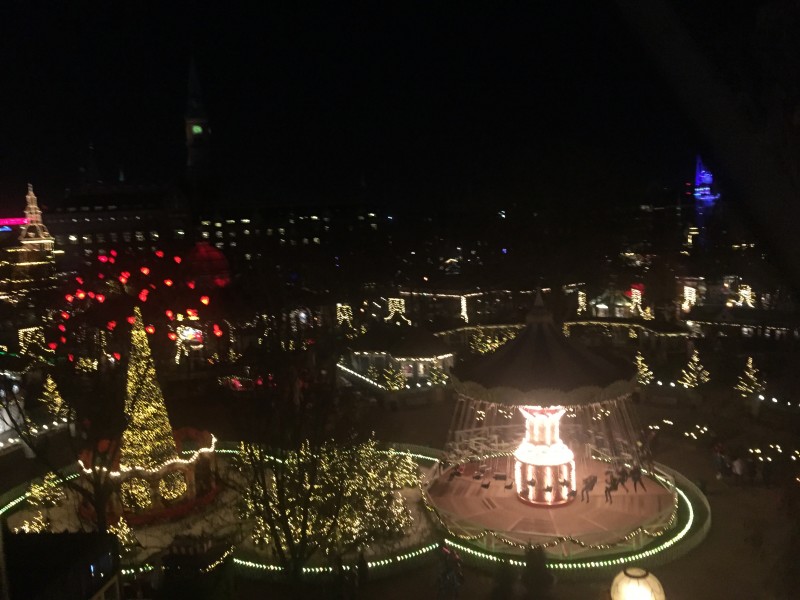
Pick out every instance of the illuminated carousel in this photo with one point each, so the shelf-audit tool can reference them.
(536, 423)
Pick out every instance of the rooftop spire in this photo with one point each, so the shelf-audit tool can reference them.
(34, 230)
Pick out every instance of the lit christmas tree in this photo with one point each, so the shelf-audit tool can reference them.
(53, 401)
(750, 383)
(394, 379)
(694, 374)
(127, 538)
(147, 442)
(47, 494)
(437, 376)
(643, 373)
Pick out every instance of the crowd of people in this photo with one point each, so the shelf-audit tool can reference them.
(616, 477)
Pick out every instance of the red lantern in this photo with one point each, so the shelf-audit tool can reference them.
(123, 280)
(110, 325)
(52, 345)
(69, 297)
(218, 332)
(177, 259)
(150, 329)
(102, 258)
(80, 294)
(160, 253)
(79, 280)
(63, 340)
(100, 298)
(172, 335)
(113, 253)
(91, 294)
(64, 315)
(101, 276)
(126, 274)
(170, 314)
(117, 356)
(62, 327)
(112, 260)
(205, 300)
(168, 282)
(131, 319)
(71, 357)
(145, 271)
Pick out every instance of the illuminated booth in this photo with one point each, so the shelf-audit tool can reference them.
(542, 399)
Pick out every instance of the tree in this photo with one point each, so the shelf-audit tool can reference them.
(394, 379)
(437, 376)
(694, 374)
(126, 536)
(331, 498)
(47, 494)
(53, 402)
(536, 577)
(643, 373)
(94, 446)
(147, 441)
(751, 382)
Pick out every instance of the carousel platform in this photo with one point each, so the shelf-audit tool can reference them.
(482, 497)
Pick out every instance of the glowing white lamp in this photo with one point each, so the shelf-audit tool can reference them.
(634, 583)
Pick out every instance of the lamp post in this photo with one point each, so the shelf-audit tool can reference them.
(634, 583)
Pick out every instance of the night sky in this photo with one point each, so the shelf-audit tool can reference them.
(453, 104)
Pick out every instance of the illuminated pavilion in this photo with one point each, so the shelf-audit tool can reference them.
(546, 400)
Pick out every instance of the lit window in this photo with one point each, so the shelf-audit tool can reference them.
(246, 232)
(232, 244)
(219, 245)
(245, 221)
(179, 233)
(248, 256)
(86, 239)
(218, 234)
(205, 223)
(140, 236)
(281, 230)
(153, 235)
(230, 222)
(231, 234)
(205, 235)
(217, 224)
(316, 240)
(73, 239)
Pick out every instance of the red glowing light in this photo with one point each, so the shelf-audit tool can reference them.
(160, 253)
(100, 298)
(150, 329)
(80, 294)
(169, 314)
(177, 259)
(143, 297)
(62, 327)
(190, 284)
(79, 280)
(101, 276)
(204, 300)
(192, 312)
(172, 335)
(112, 260)
(71, 357)
(13, 221)
(145, 271)
(52, 345)
(69, 297)
(126, 274)
(123, 280)
(91, 294)
(110, 325)
(168, 282)
(102, 258)
(218, 332)
(63, 340)
(113, 253)
(260, 381)
(64, 315)
(131, 319)
(117, 356)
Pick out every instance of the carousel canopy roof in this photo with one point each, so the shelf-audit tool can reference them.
(541, 357)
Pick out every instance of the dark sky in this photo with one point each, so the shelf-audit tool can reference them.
(444, 103)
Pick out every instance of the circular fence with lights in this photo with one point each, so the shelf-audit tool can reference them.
(692, 520)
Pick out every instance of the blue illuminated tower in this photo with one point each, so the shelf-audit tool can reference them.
(705, 199)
